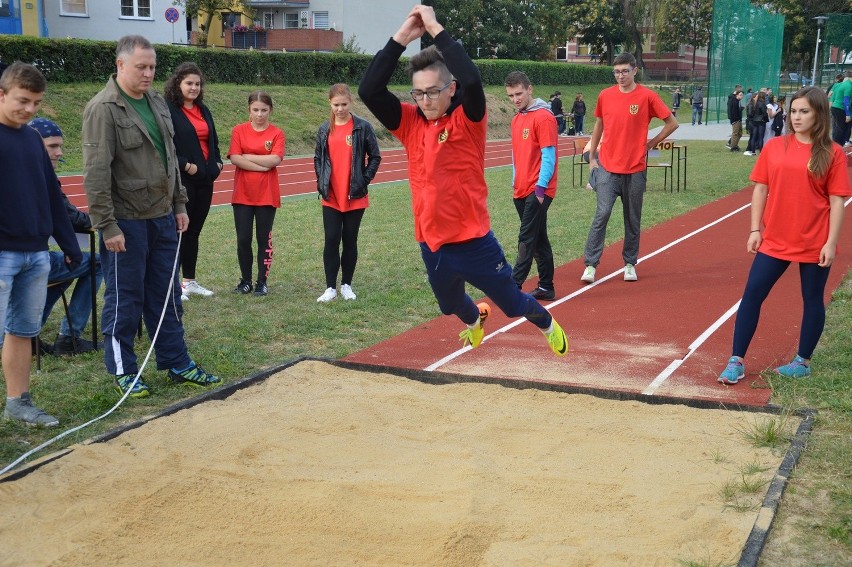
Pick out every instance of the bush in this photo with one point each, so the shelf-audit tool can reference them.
(75, 60)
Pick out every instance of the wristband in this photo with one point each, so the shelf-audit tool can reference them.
(755, 230)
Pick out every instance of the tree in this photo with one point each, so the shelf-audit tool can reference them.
(193, 8)
(597, 23)
(689, 22)
(505, 29)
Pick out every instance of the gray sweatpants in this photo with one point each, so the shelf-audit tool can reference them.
(631, 188)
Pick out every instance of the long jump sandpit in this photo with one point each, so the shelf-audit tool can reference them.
(323, 463)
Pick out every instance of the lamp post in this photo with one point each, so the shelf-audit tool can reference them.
(820, 22)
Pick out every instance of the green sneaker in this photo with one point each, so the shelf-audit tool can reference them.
(557, 340)
(193, 375)
(140, 389)
(473, 337)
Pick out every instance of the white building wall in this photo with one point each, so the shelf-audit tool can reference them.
(371, 22)
(104, 22)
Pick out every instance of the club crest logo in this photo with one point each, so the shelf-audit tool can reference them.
(443, 136)
(268, 145)
(349, 140)
(634, 109)
(526, 133)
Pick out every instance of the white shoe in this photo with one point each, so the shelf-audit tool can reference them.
(346, 291)
(630, 273)
(193, 286)
(184, 297)
(329, 294)
(748, 153)
(588, 275)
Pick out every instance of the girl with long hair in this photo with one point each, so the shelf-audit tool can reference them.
(197, 147)
(345, 160)
(801, 180)
(257, 147)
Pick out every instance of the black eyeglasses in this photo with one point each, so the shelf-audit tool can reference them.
(618, 72)
(431, 94)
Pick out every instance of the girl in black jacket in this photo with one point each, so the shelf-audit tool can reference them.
(343, 173)
(200, 163)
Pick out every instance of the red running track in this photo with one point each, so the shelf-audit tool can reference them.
(296, 174)
(667, 335)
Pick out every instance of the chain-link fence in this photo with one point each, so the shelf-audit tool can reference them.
(745, 49)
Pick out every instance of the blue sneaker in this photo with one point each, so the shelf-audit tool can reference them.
(733, 373)
(797, 368)
(193, 375)
(139, 390)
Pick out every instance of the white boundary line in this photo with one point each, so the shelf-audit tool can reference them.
(452, 356)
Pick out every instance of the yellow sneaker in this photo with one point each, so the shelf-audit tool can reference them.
(473, 337)
(557, 340)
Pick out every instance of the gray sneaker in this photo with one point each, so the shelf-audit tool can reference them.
(23, 410)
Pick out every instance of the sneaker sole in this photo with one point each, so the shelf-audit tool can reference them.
(29, 423)
(142, 394)
(183, 381)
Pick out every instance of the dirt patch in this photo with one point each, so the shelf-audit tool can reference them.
(320, 465)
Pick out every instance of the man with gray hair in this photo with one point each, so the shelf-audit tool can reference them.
(137, 202)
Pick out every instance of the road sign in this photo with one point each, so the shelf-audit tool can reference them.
(172, 15)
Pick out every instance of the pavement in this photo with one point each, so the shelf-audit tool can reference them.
(707, 131)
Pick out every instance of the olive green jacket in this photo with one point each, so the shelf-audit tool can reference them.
(123, 174)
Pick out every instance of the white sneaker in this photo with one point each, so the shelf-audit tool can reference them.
(329, 294)
(588, 275)
(346, 291)
(193, 286)
(748, 153)
(630, 273)
(184, 296)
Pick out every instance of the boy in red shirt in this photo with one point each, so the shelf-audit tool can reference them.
(444, 137)
(534, 137)
(620, 169)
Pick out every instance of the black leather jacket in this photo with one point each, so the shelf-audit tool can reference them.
(363, 143)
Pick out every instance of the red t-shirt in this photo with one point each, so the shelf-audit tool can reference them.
(202, 130)
(797, 206)
(625, 119)
(256, 188)
(446, 172)
(340, 155)
(532, 131)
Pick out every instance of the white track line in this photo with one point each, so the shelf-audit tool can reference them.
(437, 364)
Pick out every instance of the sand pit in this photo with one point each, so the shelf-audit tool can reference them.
(320, 465)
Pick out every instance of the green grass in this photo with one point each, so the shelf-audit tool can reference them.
(236, 335)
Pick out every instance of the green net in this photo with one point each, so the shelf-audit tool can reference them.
(835, 49)
(745, 49)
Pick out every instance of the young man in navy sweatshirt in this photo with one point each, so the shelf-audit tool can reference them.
(31, 210)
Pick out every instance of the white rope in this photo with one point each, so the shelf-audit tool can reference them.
(136, 378)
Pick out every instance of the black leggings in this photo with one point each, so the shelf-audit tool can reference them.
(245, 218)
(340, 227)
(200, 197)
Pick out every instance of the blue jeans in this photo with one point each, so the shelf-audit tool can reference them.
(23, 286)
(697, 111)
(80, 305)
(578, 123)
(481, 263)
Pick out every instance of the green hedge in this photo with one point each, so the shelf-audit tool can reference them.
(76, 60)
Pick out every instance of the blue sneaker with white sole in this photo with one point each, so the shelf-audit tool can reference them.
(796, 368)
(733, 373)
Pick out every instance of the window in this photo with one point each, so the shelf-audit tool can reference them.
(291, 20)
(72, 8)
(584, 49)
(321, 20)
(135, 8)
(269, 20)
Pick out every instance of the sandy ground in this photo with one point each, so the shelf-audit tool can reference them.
(325, 466)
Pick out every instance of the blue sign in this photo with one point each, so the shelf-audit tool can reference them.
(172, 15)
